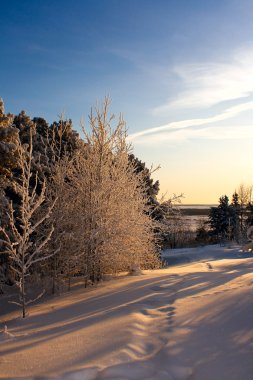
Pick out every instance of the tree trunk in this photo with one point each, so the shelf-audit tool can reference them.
(23, 293)
(69, 274)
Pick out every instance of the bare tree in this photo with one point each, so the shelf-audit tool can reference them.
(174, 229)
(26, 236)
(244, 194)
(244, 200)
(65, 241)
(105, 202)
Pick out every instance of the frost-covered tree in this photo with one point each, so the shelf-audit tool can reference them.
(8, 162)
(50, 143)
(173, 230)
(244, 201)
(105, 208)
(25, 237)
(65, 241)
(113, 223)
(8, 146)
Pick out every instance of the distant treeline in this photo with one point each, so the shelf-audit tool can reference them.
(195, 211)
(76, 207)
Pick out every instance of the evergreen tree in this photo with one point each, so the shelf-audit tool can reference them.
(51, 143)
(249, 215)
(106, 209)
(235, 204)
(222, 219)
(8, 146)
(232, 220)
(152, 188)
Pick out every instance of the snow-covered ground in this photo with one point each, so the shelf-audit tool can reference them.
(193, 320)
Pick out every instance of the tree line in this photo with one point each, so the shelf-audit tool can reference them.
(87, 207)
(73, 207)
(230, 220)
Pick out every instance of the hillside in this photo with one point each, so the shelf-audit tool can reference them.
(189, 321)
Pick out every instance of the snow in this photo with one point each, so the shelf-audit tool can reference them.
(192, 320)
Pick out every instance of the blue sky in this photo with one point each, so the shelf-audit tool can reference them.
(180, 71)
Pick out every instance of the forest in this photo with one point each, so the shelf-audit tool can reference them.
(87, 207)
(73, 207)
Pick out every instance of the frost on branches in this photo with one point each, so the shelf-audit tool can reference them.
(26, 235)
(8, 144)
(94, 217)
(105, 203)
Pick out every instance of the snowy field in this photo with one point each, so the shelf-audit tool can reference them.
(193, 320)
(192, 222)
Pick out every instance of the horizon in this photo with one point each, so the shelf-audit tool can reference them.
(180, 72)
(198, 204)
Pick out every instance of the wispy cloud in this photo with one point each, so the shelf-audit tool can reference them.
(207, 84)
(183, 124)
(224, 133)
(205, 133)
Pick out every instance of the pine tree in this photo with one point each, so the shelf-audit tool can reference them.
(223, 219)
(249, 215)
(8, 146)
(236, 220)
(219, 217)
(152, 188)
